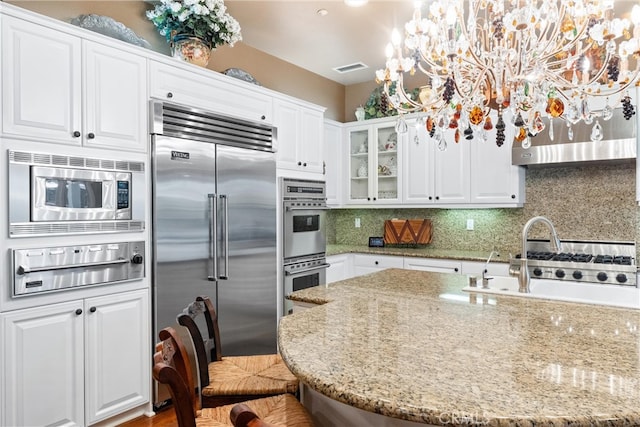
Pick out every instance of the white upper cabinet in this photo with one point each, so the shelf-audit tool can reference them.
(208, 91)
(494, 178)
(373, 167)
(58, 88)
(333, 159)
(41, 80)
(433, 176)
(115, 98)
(300, 136)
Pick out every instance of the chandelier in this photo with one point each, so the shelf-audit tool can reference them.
(530, 59)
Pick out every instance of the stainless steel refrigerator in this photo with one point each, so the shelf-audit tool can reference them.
(214, 223)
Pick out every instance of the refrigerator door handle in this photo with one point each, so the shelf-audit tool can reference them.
(213, 238)
(225, 199)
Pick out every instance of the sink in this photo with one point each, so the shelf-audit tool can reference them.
(560, 290)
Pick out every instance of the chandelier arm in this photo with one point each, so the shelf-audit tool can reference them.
(570, 44)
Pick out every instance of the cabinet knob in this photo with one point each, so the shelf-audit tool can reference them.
(263, 117)
(437, 197)
(455, 269)
(374, 199)
(368, 198)
(430, 198)
(76, 134)
(299, 163)
(169, 95)
(91, 135)
(513, 196)
(79, 311)
(93, 309)
(376, 262)
(304, 164)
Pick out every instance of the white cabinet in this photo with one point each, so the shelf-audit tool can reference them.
(218, 94)
(433, 176)
(58, 88)
(494, 179)
(435, 265)
(365, 263)
(472, 173)
(492, 269)
(333, 159)
(373, 167)
(340, 267)
(300, 134)
(78, 362)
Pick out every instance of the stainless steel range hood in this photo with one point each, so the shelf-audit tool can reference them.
(619, 143)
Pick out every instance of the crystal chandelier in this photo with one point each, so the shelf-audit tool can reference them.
(532, 59)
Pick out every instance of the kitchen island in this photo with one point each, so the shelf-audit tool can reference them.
(412, 346)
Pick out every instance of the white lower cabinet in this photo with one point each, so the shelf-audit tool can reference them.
(76, 363)
(365, 263)
(492, 269)
(340, 267)
(434, 265)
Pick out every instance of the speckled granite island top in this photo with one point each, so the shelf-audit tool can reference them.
(418, 252)
(411, 345)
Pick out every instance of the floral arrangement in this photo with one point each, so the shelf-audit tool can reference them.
(205, 19)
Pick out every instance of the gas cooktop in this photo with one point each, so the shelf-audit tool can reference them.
(580, 260)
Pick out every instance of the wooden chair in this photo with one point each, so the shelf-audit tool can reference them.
(232, 379)
(173, 368)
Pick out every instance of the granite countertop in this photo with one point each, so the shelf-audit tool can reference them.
(412, 345)
(419, 252)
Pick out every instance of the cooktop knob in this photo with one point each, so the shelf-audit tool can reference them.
(559, 274)
(621, 278)
(137, 259)
(602, 276)
(577, 274)
(537, 271)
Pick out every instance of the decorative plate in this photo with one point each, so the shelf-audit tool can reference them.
(240, 74)
(109, 27)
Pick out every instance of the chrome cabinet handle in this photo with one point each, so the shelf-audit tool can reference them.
(213, 238)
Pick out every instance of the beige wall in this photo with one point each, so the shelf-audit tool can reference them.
(270, 71)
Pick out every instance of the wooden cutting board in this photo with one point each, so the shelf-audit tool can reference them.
(407, 231)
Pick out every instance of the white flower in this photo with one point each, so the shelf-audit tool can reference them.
(175, 7)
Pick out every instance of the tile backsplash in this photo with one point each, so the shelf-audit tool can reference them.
(590, 202)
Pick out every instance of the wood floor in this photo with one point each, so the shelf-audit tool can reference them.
(164, 418)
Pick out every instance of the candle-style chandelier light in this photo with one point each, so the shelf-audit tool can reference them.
(529, 58)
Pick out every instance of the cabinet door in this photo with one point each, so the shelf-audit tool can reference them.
(340, 267)
(286, 119)
(435, 265)
(115, 98)
(359, 164)
(418, 167)
(118, 354)
(333, 155)
(494, 178)
(41, 81)
(386, 146)
(310, 143)
(43, 376)
(452, 174)
(365, 264)
(219, 94)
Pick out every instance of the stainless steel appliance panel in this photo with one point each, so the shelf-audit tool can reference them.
(183, 191)
(48, 269)
(304, 229)
(303, 274)
(247, 294)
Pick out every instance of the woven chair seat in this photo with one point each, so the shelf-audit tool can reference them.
(280, 411)
(250, 375)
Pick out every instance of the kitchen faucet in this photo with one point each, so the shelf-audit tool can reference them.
(523, 276)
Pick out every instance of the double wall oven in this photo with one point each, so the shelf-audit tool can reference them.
(304, 235)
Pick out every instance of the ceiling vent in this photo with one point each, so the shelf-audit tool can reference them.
(351, 67)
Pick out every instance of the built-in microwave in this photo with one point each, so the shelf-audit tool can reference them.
(57, 194)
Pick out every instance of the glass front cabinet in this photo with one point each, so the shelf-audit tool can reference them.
(374, 153)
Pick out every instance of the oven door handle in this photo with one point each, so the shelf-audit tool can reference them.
(318, 267)
(307, 208)
(25, 270)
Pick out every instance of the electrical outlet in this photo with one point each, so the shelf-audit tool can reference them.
(469, 224)
(357, 222)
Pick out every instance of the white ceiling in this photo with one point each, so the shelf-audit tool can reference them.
(293, 31)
